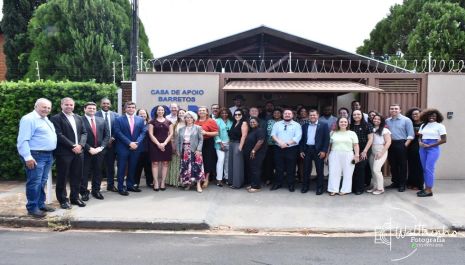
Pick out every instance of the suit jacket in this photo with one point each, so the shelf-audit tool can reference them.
(65, 134)
(196, 139)
(113, 115)
(123, 135)
(321, 138)
(103, 133)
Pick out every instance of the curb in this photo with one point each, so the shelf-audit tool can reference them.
(61, 224)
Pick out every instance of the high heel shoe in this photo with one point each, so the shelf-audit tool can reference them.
(156, 189)
(162, 189)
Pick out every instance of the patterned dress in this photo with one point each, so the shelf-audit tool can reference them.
(191, 163)
(175, 164)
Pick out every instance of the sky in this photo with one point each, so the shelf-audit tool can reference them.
(176, 25)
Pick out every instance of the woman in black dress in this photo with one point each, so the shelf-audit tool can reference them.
(415, 171)
(237, 135)
(254, 153)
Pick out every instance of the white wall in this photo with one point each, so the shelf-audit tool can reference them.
(446, 92)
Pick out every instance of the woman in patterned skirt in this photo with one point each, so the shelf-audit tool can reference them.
(189, 147)
(173, 174)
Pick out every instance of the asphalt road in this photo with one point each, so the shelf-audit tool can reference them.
(84, 247)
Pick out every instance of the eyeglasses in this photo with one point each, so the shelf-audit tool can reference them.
(238, 114)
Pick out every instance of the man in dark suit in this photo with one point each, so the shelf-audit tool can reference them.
(97, 139)
(110, 153)
(130, 133)
(72, 137)
(313, 147)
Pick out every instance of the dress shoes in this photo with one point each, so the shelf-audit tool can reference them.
(65, 205)
(123, 192)
(401, 189)
(97, 195)
(392, 186)
(304, 190)
(134, 189)
(319, 191)
(37, 214)
(112, 188)
(291, 188)
(46, 208)
(85, 196)
(78, 202)
(424, 194)
(275, 187)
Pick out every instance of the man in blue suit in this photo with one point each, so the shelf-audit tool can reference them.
(130, 133)
(314, 147)
(110, 153)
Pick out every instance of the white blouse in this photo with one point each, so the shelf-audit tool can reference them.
(432, 130)
(379, 139)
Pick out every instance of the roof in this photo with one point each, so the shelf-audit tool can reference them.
(267, 44)
(299, 86)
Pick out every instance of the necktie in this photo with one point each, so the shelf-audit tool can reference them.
(131, 124)
(94, 131)
(107, 121)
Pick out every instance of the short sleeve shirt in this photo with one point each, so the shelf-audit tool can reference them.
(432, 130)
(343, 141)
(362, 132)
(379, 139)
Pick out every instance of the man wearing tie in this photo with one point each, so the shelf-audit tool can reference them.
(72, 137)
(313, 147)
(130, 133)
(97, 139)
(110, 153)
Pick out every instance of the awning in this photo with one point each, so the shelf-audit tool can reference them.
(299, 86)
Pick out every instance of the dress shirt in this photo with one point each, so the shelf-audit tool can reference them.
(95, 122)
(287, 131)
(311, 132)
(328, 121)
(233, 109)
(72, 121)
(107, 117)
(172, 118)
(35, 133)
(401, 128)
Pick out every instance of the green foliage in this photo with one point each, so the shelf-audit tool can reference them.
(18, 99)
(79, 40)
(16, 16)
(419, 26)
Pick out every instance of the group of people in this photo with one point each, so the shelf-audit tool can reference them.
(237, 146)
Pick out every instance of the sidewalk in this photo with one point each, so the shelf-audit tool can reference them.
(227, 209)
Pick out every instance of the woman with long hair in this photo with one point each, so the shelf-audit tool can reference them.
(432, 134)
(173, 174)
(189, 147)
(342, 155)
(379, 153)
(160, 131)
(415, 171)
(364, 132)
(254, 153)
(237, 136)
(224, 123)
(144, 163)
(209, 131)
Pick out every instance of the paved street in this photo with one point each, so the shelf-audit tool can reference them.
(92, 247)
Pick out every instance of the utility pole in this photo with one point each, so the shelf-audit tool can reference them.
(134, 38)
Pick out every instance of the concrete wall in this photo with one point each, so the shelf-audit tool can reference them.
(189, 90)
(446, 92)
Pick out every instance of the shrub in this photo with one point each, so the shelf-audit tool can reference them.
(18, 98)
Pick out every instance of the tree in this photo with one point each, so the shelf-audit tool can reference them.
(79, 40)
(412, 26)
(16, 16)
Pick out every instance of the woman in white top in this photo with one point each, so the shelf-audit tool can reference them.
(432, 134)
(343, 153)
(379, 153)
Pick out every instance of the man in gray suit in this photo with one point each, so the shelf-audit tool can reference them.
(110, 154)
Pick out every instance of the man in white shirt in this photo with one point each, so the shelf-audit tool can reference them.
(238, 99)
(173, 116)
